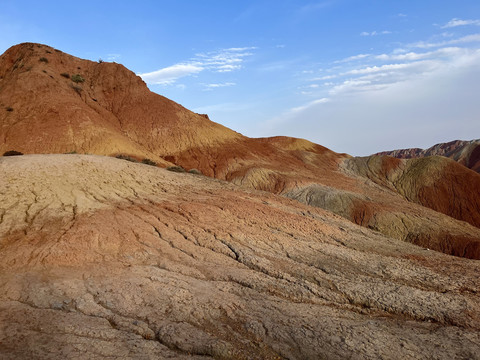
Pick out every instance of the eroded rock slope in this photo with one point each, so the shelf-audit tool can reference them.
(106, 258)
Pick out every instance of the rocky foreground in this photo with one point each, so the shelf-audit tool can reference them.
(103, 258)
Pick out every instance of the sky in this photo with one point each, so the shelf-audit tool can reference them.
(356, 76)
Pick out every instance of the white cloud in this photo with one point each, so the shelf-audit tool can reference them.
(349, 85)
(225, 60)
(418, 99)
(228, 68)
(221, 61)
(459, 22)
(407, 67)
(412, 56)
(220, 85)
(352, 58)
(463, 40)
(374, 69)
(326, 77)
(239, 49)
(113, 57)
(308, 105)
(447, 34)
(390, 69)
(375, 33)
(170, 74)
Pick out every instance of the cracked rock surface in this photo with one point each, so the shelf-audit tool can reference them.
(103, 258)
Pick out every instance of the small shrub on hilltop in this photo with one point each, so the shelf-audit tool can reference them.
(126, 157)
(149, 162)
(43, 59)
(9, 109)
(77, 78)
(12, 153)
(65, 75)
(195, 172)
(176, 168)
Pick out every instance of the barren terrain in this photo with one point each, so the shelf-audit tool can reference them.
(106, 258)
(52, 102)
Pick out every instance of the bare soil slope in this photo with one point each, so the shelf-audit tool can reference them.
(436, 182)
(138, 262)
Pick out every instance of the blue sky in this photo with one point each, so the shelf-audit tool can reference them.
(355, 76)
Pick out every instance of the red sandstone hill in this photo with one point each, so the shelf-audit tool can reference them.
(466, 153)
(52, 102)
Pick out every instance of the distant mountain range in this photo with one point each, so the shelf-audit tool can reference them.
(464, 152)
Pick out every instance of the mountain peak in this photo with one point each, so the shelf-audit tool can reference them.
(90, 107)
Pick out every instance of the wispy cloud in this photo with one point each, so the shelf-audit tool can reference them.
(375, 73)
(376, 69)
(412, 56)
(225, 60)
(326, 77)
(413, 96)
(220, 85)
(389, 70)
(349, 85)
(221, 61)
(308, 105)
(113, 57)
(170, 74)
(459, 22)
(462, 40)
(375, 33)
(352, 58)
